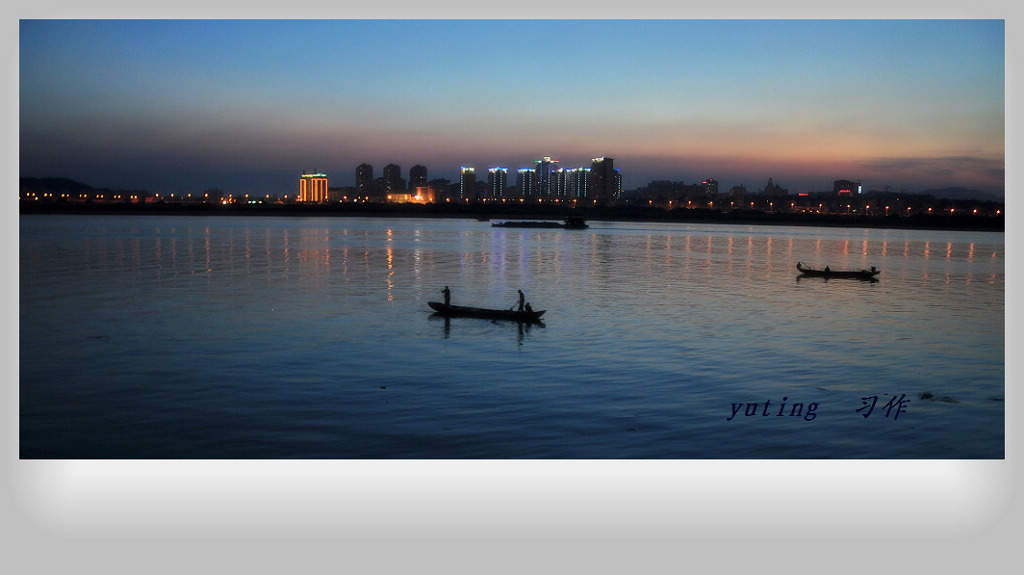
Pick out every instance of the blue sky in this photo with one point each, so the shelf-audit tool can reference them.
(245, 106)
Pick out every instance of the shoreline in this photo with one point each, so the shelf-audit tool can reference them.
(482, 212)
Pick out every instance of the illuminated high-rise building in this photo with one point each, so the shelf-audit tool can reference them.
(578, 184)
(313, 187)
(467, 184)
(544, 182)
(526, 182)
(558, 182)
(497, 181)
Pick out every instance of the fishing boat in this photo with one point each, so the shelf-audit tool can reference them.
(841, 274)
(448, 310)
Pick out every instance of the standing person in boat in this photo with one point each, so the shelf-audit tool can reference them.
(447, 295)
(522, 298)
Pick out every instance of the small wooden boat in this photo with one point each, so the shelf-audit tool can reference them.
(840, 274)
(525, 316)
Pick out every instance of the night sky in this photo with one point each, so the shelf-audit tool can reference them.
(178, 106)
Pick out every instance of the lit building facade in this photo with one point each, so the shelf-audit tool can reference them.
(497, 181)
(579, 184)
(313, 188)
(544, 181)
(559, 187)
(525, 182)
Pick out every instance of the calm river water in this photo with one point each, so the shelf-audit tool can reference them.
(281, 337)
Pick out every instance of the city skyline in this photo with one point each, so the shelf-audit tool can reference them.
(243, 106)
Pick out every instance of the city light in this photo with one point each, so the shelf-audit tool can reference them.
(576, 188)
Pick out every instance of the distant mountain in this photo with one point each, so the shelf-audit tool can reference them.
(962, 194)
(64, 186)
(53, 185)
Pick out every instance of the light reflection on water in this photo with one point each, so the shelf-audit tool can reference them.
(311, 337)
